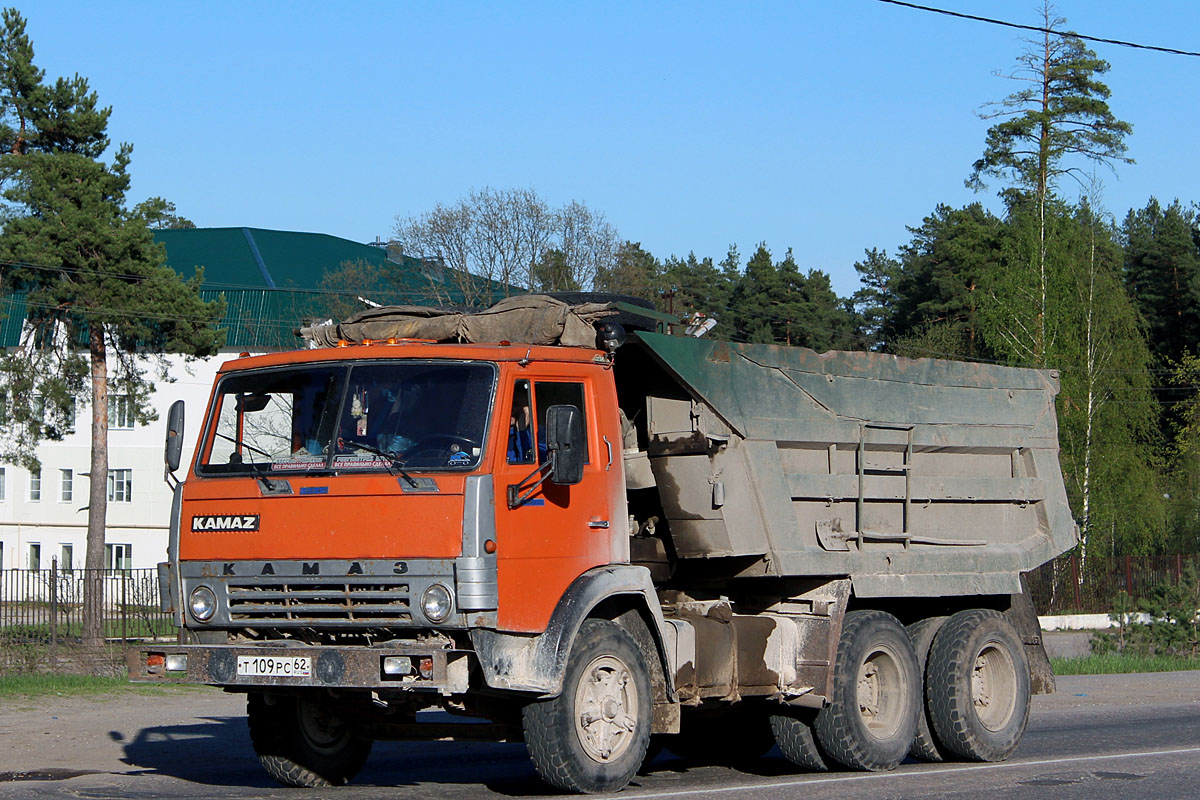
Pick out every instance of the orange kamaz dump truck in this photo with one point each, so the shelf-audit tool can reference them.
(568, 531)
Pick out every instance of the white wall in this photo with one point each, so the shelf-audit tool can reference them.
(142, 522)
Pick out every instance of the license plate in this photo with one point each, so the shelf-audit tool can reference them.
(274, 666)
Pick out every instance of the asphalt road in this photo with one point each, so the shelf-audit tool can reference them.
(1129, 736)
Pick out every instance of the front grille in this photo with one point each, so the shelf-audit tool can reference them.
(290, 601)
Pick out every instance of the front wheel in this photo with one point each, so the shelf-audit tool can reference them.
(301, 742)
(593, 736)
(871, 718)
(977, 685)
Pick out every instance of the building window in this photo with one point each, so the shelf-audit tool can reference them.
(118, 557)
(120, 485)
(2, 482)
(35, 486)
(120, 412)
(35, 557)
(66, 485)
(66, 560)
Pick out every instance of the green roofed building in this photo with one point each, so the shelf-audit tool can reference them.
(271, 280)
(256, 258)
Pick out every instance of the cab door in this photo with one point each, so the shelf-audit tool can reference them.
(549, 535)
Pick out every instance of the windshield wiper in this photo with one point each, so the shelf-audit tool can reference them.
(256, 468)
(392, 460)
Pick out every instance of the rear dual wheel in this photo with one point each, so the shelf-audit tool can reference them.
(977, 687)
(871, 717)
(925, 745)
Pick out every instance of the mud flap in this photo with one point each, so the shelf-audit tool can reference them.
(1023, 617)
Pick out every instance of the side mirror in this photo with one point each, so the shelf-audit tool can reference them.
(564, 440)
(174, 445)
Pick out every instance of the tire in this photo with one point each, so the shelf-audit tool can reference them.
(735, 735)
(301, 742)
(593, 736)
(925, 746)
(794, 734)
(871, 719)
(977, 686)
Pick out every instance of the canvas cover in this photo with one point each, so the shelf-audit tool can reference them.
(527, 319)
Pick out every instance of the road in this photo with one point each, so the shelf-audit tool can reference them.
(1125, 736)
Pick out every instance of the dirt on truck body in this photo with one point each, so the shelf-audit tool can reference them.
(588, 533)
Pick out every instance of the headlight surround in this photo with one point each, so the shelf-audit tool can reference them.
(437, 603)
(202, 603)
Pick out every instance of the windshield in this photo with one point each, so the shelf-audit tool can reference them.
(422, 415)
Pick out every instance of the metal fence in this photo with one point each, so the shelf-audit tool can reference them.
(41, 611)
(1073, 585)
(41, 615)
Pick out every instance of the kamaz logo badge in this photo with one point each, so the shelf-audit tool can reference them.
(234, 522)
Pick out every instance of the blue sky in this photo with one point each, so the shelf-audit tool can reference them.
(825, 126)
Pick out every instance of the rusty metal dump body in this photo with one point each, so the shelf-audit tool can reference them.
(914, 477)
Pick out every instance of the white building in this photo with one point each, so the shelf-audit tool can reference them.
(43, 515)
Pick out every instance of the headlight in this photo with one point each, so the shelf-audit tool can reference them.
(203, 603)
(436, 603)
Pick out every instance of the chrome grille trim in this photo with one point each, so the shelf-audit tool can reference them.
(291, 600)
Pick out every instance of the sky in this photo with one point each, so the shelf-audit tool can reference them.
(825, 126)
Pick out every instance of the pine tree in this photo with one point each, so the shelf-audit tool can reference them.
(1043, 132)
(938, 284)
(755, 301)
(95, 285)
(875, 303)
(634, 272)
(690, 285)
(1162, 273)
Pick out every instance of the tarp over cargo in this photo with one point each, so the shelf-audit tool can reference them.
(526, 319)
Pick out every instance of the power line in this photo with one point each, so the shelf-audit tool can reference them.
(1039, 29)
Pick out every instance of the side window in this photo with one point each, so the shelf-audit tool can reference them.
(520, 426)
(546, 394)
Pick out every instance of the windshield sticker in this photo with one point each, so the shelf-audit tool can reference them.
(298, 464)
(362, 462)
(459, 459)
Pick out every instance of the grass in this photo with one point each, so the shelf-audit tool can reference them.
(1119, 663)
(38, 685)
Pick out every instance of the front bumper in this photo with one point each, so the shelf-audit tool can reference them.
(331, 667)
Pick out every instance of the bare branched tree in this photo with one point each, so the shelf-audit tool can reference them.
(496, 242)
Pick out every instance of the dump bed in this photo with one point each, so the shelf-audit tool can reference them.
(915, 477)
